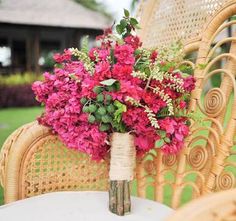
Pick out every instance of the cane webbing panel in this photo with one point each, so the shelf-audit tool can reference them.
(50, 166)
(215, 207)
(171, 20)
(207, 163)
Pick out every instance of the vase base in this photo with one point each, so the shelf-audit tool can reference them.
(119, 197)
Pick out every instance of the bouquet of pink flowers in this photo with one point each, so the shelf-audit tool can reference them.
(117, 86)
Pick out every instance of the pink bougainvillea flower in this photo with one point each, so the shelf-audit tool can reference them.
(101, 54)
(168, 124)
(59, 58)
(189, 83)
(134, 41)
(111, 89)
(102, 71)
(153, 56)
(182, 104)
(124, 54)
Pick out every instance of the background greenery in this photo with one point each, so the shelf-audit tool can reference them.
(15, 90)
(19, 78)
(10, 120)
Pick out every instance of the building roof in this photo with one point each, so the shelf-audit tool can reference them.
(57, 13)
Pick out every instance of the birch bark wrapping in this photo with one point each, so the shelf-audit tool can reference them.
(122, 165)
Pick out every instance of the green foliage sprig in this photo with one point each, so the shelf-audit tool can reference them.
(127, 24)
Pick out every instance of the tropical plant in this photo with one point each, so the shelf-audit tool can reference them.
(95, 6)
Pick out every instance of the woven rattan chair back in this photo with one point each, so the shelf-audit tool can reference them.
(215, 207)
(33, 161)
(207, 164)
(166, 21)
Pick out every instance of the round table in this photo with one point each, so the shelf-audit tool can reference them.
(79, 206)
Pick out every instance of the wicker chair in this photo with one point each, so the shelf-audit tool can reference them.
(215, 207)
(33, 161)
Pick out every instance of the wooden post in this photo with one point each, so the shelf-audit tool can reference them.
(12, 56)
(36, 52)
(28, 54)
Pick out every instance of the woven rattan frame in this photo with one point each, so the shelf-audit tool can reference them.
(166, 21)
(27, 155)
(215, 207)
(34, 161)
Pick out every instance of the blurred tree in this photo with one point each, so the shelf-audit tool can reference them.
(134, 4)
(95, 6)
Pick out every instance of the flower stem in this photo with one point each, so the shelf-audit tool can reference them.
(148, 82)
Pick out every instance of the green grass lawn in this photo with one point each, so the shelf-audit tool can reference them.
(11, 119)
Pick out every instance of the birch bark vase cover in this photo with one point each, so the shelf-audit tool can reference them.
(122, 165)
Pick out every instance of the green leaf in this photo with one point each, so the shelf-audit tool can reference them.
(97, 89)
(104, 127)
(138, 52)
(133, 21)
(106, 119)
(83, 100)
(164, 112)
(85, 44)
(100, 98)
(120, 105)
(108, 98)
(92, 108)
(147, 71)
(120, 127)
(167, 139)
(128, 30)
(111, 108)
(108, 82)
(126, 13)
(85, 109)
(101, 110)
(162, 133)
(188, 123)
(58, 65)
(98, 116)
(119, 29)
(186, 69)
(120, 109)
(159, 143)
(202, 66)
(91, 119)
(123, 23)
(116, 86)
(112, 56)
(137, 26)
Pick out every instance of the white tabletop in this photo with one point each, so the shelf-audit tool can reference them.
(79, 206)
